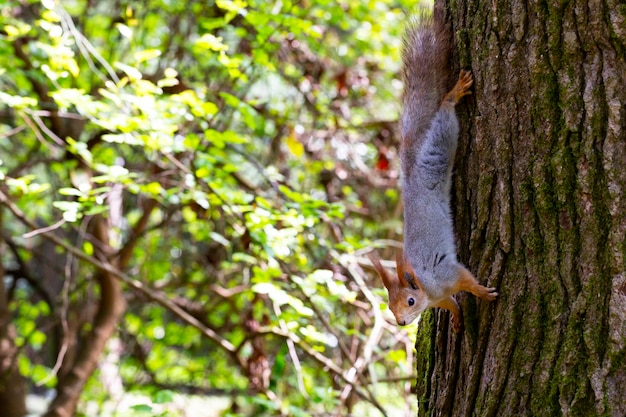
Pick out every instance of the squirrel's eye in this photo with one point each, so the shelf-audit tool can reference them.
(411, 301)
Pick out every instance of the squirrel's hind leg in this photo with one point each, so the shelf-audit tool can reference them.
(451, 305)
(460, 90)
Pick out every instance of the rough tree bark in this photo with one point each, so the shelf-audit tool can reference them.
(540, 213)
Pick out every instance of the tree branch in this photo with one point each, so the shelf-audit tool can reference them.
(139, 286)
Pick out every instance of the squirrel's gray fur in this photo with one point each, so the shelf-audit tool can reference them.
(429, 140)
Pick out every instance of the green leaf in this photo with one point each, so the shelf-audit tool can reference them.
(147, 55)
(143, 408)
(67, 205)
(257, 19)
(296, 148)
(271, 405)
(163, 397)
(37, 339)
(17, 102)
(231, 5)
(70, 191)
(153, 188)
(244, 257)
(397, 355)
(88, 248)
(132, 72)
(211, 42)
(125, 138)
(282, 297)
(124, 30)
(298, 412)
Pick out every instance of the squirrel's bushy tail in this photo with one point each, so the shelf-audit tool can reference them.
(425, 72)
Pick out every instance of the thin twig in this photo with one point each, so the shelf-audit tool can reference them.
(63, 312)
(327, 363)
(12, 132)
(85, 47)
(37, 132)
(398, 379)
(375, 334)
(46, 130)
(46, 229)
(62, 114)
(292, 352)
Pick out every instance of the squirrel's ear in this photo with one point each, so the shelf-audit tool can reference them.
(400, 264)
(412, 281)
(388, 279)
(406, 274)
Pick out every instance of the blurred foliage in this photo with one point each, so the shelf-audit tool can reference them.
(264, 133)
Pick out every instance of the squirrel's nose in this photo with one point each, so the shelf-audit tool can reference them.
(401, 322)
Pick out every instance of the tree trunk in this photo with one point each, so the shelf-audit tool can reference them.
(540, 213)
(12, 386)
(109, 313)
(110, 310)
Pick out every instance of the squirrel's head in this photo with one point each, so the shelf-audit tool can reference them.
(407, 299)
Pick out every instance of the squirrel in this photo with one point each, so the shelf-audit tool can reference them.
(428, 273)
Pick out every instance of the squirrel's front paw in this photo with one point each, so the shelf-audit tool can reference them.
(488, 294)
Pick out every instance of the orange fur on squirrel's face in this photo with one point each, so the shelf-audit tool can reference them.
(408, 296)
(406, 299)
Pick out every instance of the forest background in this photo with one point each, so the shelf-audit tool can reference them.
(189, 191)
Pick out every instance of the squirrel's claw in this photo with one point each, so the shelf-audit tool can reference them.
(464, 83)
(488, 294)
(460, 89)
